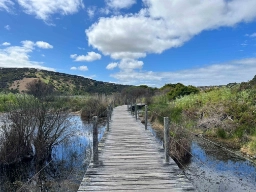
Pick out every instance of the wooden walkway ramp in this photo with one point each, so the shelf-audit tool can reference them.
(132, 160)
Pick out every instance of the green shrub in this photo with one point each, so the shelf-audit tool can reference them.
(221, 133)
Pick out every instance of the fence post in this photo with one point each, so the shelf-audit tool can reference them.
(95, 140)
(146, 117)
(136, 112)
(110, 111)
(166, 139)
(108, 115)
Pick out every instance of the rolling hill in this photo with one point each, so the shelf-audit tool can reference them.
(15, 80)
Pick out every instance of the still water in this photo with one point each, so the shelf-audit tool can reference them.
(67, 167)
(214, 169)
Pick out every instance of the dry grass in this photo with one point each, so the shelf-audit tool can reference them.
(21, 84)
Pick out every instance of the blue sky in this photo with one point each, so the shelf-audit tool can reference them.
(152, 42)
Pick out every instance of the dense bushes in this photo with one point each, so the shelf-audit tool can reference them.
(31, 123)
(178, 90)
(93, 107)
(227, 113)
(5, 99)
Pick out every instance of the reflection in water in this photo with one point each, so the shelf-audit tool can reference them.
(65, 171)
(214, 169)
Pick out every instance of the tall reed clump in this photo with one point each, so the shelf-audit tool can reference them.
(94, 107)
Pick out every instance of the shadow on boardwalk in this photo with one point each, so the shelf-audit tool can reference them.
(132, 160)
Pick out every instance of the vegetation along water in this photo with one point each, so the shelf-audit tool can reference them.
(39, 131)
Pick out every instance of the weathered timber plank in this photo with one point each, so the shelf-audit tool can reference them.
(132, 160)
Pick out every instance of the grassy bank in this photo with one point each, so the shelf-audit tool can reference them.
(226, 115)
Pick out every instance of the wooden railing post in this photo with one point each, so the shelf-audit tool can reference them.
(146, 117)
(166, 139)
(110, 111)
(108, 116)
(95, 140)
(136, 112)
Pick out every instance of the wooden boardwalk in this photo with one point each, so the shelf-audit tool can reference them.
(132, 160)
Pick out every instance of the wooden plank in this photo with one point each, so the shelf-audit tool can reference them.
(132, 160)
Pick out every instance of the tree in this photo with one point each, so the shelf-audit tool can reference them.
(39, 89)
(32, 123)
(178, 90)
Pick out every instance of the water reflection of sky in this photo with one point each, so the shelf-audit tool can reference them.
(214, 169)
(78, 146)
(227, 166)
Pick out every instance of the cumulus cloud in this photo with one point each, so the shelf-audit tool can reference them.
(6, 5)
(128, 65)
(73, 56)
(43, 45)
(6, 44)
(83, 68)
(127, 55)
(19, 57)
(117, 4)
(80, 68)
(216, 74)
(44, 9)
(91, 56)
(165, 24)
(111, 66)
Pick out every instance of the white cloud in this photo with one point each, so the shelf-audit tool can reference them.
(120, 4)
(6, 5)
(28, 44)
(111, 66)
(7, 27)
(44, 9)
(73, 56)
(91, 56)
(19, 57)
(43, 45)
(216, 74)
(128, 65)
(80, 68)
(105, 11)
(127, 55)
(83, 68)
(6, 44)
(165, 24)
(91, 11)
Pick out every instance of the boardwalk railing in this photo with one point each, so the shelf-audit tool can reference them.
(109, 112)
(95, 156)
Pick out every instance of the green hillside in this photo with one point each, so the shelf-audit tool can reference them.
(15, 80)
